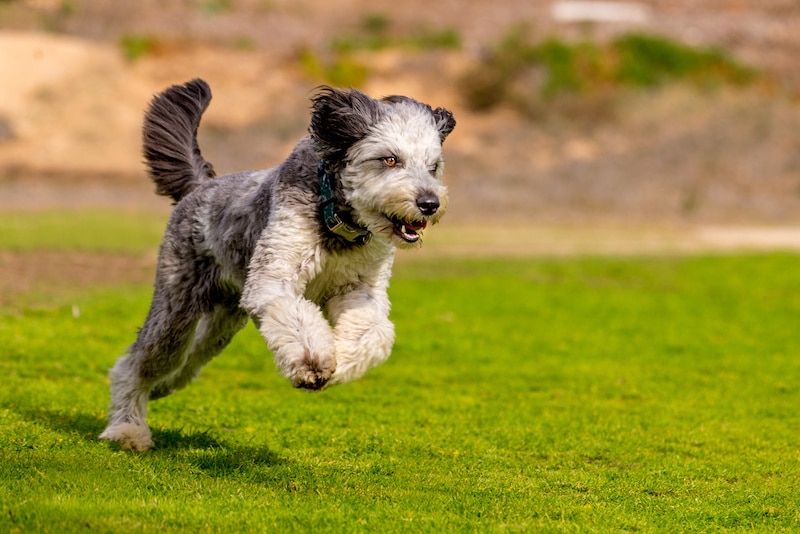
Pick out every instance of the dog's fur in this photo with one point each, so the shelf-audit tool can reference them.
(254, 244)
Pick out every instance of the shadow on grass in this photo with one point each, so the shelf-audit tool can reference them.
(175, 440)
(219, 459)
(256, 464)
(89, 426)
(86, 425)
(213, 456)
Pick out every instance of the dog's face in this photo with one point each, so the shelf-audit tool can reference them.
(388, 155)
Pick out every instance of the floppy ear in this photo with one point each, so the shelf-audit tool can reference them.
(444, 122)
(340, 118)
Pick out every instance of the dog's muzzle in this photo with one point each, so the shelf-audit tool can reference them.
(408, 229)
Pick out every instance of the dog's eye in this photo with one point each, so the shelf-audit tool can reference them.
(389, 161)
(433, 168)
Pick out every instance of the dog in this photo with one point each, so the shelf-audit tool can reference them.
(304, 249)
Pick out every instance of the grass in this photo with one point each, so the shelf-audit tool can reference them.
(85, 231)
(577, 395)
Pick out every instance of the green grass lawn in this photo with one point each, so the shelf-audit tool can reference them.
(77, 230)
(578, 395)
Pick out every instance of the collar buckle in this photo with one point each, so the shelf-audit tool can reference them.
(360, 236)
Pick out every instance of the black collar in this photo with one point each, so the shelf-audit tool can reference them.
(355, 234)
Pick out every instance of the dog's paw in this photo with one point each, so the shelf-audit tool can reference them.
(129, 436)
(313, 372)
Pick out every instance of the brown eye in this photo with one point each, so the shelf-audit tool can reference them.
(389, 161)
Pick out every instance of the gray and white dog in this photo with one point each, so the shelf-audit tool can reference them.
(305, 248)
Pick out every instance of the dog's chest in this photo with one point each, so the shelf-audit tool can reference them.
(342, 273)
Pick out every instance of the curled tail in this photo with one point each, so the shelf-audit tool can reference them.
(169, 137)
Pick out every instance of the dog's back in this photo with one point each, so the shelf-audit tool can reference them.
(169, 138)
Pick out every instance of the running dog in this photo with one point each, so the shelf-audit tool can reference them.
(304, 249)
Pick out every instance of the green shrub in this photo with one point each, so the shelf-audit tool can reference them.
(215, 7)
(137, 46)
(647, 61)
(488, 84)
(340, 70)
(375, 34)
(560, 62)
(339, 66)
(432, 40)
(530, 76)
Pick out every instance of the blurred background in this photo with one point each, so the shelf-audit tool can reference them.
(580, 115)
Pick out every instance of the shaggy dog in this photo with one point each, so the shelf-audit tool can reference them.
(305, 248)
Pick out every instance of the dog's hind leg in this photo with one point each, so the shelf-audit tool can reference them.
(159, 351)
(211, 335)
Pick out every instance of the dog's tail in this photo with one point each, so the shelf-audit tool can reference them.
(169, 137)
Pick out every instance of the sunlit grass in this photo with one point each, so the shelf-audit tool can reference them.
(656, 395)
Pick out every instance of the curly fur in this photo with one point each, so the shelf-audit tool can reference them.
(253, 245)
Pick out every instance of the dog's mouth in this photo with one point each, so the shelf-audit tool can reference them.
(408, 231)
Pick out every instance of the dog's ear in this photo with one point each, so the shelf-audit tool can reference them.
(444, 122)
(340, 118)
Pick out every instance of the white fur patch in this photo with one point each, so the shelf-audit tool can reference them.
(129, 436)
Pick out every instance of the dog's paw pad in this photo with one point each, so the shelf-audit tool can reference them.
(313, 372)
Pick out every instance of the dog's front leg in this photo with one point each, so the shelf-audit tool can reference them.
(293, 327)
(363, 333)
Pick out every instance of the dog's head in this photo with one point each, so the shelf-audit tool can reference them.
(387, 155)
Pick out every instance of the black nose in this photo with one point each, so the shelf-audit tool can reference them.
(428, 204)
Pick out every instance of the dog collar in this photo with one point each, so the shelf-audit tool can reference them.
(355, 234)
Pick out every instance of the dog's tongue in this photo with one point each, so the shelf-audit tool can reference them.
(416, 225)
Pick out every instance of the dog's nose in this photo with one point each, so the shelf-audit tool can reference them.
(428, 204)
